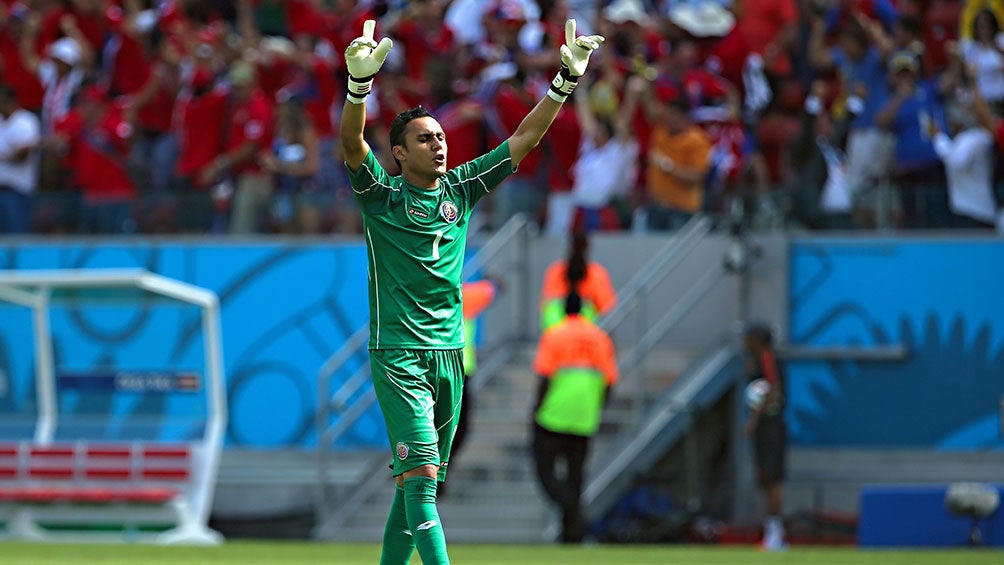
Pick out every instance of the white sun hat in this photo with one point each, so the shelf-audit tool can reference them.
(706, 19)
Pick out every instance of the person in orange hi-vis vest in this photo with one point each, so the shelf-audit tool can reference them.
(476, 296)
(575, 360)
(588, 279)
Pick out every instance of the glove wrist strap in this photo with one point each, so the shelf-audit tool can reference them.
(359, 89)
(562, 85)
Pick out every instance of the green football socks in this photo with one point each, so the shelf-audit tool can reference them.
(423, 520)
(398, 543)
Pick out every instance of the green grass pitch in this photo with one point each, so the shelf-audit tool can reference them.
(292, 553)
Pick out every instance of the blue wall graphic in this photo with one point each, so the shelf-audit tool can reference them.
(942, 300)
(285, 308)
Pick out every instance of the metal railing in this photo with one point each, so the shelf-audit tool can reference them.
(633, 301)
(355, 397)
(635, 292)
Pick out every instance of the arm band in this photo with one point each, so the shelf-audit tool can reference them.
(562, 85)
(359, 89)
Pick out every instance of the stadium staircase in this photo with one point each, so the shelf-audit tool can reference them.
(492, 493)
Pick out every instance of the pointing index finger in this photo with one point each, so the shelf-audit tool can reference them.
(570, 32)
(369, 26)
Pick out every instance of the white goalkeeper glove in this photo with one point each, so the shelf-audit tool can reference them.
(363, 58)
(574, 58)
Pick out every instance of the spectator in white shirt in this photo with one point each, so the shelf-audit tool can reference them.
(969, 165)
(19, 137)
(607, 165)
(983, 54)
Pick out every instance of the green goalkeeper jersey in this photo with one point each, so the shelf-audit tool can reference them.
(415, 240)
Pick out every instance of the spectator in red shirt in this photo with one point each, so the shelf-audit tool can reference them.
(60, 74)
(424, 35)
(524, 191)
(84, 15)
(96, 138)
(940, 27)
(13, 71)
(150, 109)
(312, 81)
(769, 29)
(198, 128)
(246, 132)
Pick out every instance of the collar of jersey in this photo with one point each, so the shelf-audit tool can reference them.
(424, 192)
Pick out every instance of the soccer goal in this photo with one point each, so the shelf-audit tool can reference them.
(122, 437)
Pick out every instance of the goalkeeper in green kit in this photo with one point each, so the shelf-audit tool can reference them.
(415, 226)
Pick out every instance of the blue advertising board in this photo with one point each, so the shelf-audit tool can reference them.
(285, 307)
(943, 300)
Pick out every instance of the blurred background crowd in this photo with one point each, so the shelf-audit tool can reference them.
(221, 116)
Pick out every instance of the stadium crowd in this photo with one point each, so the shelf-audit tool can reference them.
(195, 116)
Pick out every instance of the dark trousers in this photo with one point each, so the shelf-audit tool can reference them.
(15, 211)
(551, 451)
(463, 422)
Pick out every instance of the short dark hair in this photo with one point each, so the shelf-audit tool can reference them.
(911, 24)
(760, 331)
(680, 104)
(401, 121)
(854, 32)
(986, 14)
(573, 303)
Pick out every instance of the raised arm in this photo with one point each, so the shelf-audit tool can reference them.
(583, 113)
(363, 58)
(634, 91)
(29, 42)
(574, 59)
(819, 54)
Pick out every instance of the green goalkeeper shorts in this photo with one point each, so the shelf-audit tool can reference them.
(419, 392)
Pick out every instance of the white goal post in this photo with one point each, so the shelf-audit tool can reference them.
(39, 289)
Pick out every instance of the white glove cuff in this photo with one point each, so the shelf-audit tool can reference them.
(562, 85)
(359, 89)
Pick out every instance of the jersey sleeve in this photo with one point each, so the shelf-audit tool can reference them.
(602, 290)
(370, 182)
(606, 360)
(544, 363)
(480, 176)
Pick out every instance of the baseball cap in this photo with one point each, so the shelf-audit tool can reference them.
(903, 61)
(65, 50)
(707, 19)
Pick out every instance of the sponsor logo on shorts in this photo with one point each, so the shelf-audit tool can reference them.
(448, 210)
(402, 451)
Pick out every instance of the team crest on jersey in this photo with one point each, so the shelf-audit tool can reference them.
(402, 451)
(448, 210)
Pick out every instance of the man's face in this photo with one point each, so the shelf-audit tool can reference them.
(423, 152)
(676, 119)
